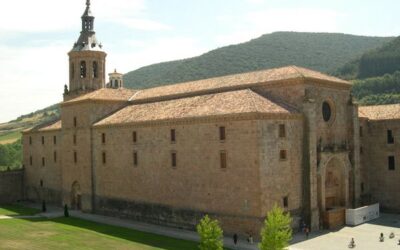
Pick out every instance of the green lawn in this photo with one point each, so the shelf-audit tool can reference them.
(72, 233)
(13, 210)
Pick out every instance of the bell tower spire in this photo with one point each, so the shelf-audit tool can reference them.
(87, 60)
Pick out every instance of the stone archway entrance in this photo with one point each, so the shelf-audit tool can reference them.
(333, 188)
(76, 197)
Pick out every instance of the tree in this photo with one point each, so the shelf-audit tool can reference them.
(276, 232)
(210, 234)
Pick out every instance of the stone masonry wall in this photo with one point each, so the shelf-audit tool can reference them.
(11, 186)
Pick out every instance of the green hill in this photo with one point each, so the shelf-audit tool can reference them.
(374, 63)
(324, 52)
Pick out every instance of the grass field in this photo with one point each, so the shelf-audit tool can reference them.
(7, 138)
(72, 233)
(13, 210)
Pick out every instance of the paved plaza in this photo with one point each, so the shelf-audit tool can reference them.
(366, 236)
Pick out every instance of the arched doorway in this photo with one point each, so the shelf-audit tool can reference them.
(333, 188)
(76, 197)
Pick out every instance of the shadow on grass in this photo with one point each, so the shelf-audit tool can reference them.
(148, 239)
(17, 210)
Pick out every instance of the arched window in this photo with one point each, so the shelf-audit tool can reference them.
(95, 70)
(72, 70)
(83, 69)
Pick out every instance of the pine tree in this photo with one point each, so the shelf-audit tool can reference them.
(210, 234)
(276, 232)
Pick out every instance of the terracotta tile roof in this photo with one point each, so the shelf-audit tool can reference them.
(49, 126)
(220, 104)
(232, 82)
(381, 112)
(105, 94)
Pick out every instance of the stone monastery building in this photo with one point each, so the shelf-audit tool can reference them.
(230, 147)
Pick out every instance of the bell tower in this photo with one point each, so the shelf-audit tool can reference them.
(87, 60)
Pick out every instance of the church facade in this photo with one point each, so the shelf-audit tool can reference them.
(230, 147)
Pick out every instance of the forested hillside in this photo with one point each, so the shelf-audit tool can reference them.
(377, 62)
(323, 52)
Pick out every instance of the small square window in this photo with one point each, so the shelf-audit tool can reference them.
(286, 202)
(134, 136)
(173, 159)
(283, 155)
(223, 159)
(103, 138)
(173, 135)
(222, 135)
(391, 163)
(282, 131)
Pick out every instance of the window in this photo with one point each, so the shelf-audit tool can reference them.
(75, 157)
(104, 158)
(134, 136)
(75, 122)
(286, 202)
(74, 139)
(72, 70)
(83, 69)
(43, 162)
(173, 159)
(362, 187)
(55, 140)
(391, 163)
(135, 159)
(30, 140)
(41, 183)
(223, 159)
(103, 138)
(222, 135)
(326, 111)
(173, 138)
(283, 155)
(42, 140)
(95, 70)
(361, 131)
(55, 156)
(390, 138)
(30, 160)
(282, 131)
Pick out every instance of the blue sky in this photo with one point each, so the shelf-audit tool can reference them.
(35, 36)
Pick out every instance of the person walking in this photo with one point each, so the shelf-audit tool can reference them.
(235, 239)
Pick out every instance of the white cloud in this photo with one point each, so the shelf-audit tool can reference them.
(255, 24)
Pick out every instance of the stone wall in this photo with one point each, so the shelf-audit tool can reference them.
(384, 183)
(11, 186)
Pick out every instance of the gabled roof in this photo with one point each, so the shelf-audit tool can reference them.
(219, 104)
(380, 112)
(45, 127)
(234, 82)
(104, 94)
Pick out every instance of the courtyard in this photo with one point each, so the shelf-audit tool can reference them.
(366, 236)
